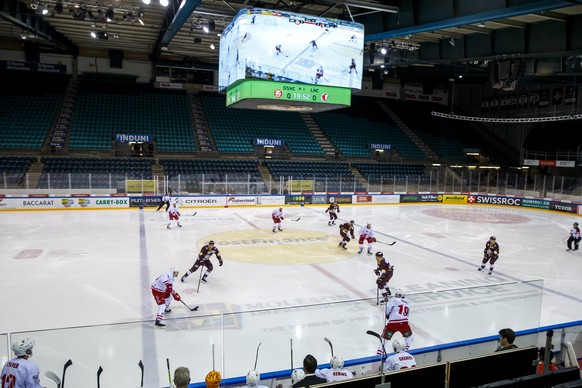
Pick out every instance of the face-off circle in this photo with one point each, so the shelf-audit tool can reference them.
(470, 215)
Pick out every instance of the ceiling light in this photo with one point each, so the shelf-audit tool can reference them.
(205, 29)
(164, 3)
(481, 24)
(93, 35)
(45, 10)
(383, 50)
(452, 41)
(212, 46)
(146, 1)
(140, 21)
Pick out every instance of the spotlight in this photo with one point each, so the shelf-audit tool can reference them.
(146, 2)
(164, 3)
(383, 50)
(45, 10)
(212, 46)
(205, 28)
(93, 35)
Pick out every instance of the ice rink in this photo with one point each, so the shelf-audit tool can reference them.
(91, 271)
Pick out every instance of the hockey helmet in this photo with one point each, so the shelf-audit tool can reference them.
(297, 375)
(174, 271)
(211, 242)
(399, 345)
(21, 348)
(352, 222)
(492, 238)
(379, 256)
(575, 224)
(400, 293)
(368, 224)
(253, 378)
(336, 362)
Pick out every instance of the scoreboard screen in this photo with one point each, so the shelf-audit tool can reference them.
(291, 47)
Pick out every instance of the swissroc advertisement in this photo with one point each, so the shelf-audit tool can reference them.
(494, 200)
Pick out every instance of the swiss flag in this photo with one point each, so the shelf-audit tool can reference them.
(471, 199)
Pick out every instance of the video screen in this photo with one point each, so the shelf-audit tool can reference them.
(291, 47)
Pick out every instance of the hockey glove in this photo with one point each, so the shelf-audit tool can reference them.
(176, 296)
(178, 214)
(373, 239)
(379, 280)
(377, 272)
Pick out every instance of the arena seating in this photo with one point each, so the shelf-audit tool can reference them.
(103, 110)
(352, 135)
(234, 130)
(376, 172)
(328, 176)
(102, 171)
(14, 167)
(212, 169)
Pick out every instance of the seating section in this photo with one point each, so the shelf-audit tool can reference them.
(234, 130)
(14, 168)
(100, 172)
(328, 176)
(380, 172)
(217, 170)
(103, 110)
(352, 135)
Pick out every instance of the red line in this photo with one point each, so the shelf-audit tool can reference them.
(247, 221)
(358, 293)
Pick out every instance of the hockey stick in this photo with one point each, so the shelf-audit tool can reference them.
(374, 334)
(189, 308)
(53, 377)
(99, 371)
(296, 219)
(257, 356)
(140, 364)
(380, 242)
(291, 346)
(194, 214)
(199, 279)
(169, 373)
(377, 295)
(67, 364)
(213, 357)
(330, 345)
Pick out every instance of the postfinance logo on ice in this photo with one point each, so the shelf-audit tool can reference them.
(288, 247)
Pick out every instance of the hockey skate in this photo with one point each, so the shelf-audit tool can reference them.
(490, 271)
(179, 226)
(274, 230)
(360, 251)
(168, 227)
(370, 253)
(344, 246)
(280, 229)
(340, 244)
(168, 310)
(329, 223)
(160, 323)
(480, 268)
(204, 280)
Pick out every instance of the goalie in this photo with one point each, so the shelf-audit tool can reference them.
(384, 271)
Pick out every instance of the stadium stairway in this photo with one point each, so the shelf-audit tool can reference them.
(266, 175)
(362, 180)
(328, 148)
(58, 136)
(409, 132)
(203, 137)
(158, 169)
(34, 173)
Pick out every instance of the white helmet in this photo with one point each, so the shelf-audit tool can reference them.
(336, 362)
(253, 378)
(20, 348)
(399, 345)
(400, 293)
(174, 270)
(297, 375)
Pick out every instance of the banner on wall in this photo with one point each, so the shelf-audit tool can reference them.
(493, 200)
(564, 207)
(454, 198)
(535, 203)
(270, 200)
(388, 198)
(204, 201)
(298, 199)
(241, 201)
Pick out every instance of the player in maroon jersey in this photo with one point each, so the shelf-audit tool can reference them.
(345, 229)
(490, 254)
(204, 260)
(384, 271)
(333, 209)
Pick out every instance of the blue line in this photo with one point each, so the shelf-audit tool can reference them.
(148, 339)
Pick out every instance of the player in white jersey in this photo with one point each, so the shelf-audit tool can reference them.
(397, 311)
(163, 292)
(337, 371)
(253, 379)
(366, 234)
(174, 214)
(277, 216)
(20, 372)
(401, 359)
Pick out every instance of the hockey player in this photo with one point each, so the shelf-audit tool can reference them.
(165, 200)
(313, 44)
(337, 371)
(174, 214)
(277, 216)
(204, 260)
(353, 66)
(401, 359)
(490, 254)
(20, 372)
(162, 289)
(253, 379)
(333, 209)
(318, 74)
(366, 234)
(384, 271)
(574, 237)
(397, 311)
(346, 228)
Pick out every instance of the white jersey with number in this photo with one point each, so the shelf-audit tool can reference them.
(397, 310)
(20, 373)
(164, 283)
(174, 210)
(334, 374)
(399, 361)
(278, 213)
(367, 232)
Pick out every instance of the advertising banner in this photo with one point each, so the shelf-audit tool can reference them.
(241, 201)
(362, 199)
(535, 203)
(564, 207)
(454, 198)
(298, 199)
(204, 201)
(140, 186)
(271, 200)
(299, 185)
(144, 201)
(495, 200)
(407, 198)
(63, 203)
(339, 198)
(386, 198)
(319, 199)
